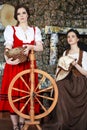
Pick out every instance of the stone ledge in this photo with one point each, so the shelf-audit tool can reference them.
(63, 30)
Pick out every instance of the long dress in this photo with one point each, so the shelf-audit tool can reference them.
(71, 109)
(12, 70)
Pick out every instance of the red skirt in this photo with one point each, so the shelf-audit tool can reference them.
(10, 72)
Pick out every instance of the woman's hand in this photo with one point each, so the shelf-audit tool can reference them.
(37, 47)
(11, 61)
(74, 62)
(27, 49)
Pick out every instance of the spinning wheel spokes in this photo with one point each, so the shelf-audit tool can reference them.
(16, 89)
(45, 97)
(45, 85)
(40, 82)
(25, 82)
(25, 105)
(42, 106)
(18, 99)
(45, 89)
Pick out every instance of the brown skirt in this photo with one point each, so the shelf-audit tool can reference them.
(71, 109)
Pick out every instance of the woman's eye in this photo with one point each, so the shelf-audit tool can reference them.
(73, 36)
(21, 13)
(18, 13)
(24, 12)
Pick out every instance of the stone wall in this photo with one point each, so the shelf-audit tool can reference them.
(61, 13)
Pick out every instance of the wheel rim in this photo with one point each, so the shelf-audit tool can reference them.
(51, 86)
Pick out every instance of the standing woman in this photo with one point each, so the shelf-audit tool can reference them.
(21, 35)
(71, 108)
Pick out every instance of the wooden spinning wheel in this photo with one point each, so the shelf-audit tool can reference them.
(45, 91)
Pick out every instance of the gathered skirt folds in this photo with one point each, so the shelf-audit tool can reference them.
(10, 72)
(71, 108)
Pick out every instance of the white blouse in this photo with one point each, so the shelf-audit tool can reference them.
(26, 36)
(84, 59)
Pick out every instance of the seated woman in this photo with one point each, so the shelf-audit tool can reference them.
(71, 109)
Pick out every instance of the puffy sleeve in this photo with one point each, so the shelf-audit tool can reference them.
(84, 60)
(38, 36)
(8, 35)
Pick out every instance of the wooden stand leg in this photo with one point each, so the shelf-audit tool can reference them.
(26, 127)
(38, 127)
(29, 123)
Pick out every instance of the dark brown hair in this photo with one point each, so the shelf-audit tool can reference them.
(74, 31)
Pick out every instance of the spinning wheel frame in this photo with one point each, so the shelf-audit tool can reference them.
(19, 75)
(33, 91)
